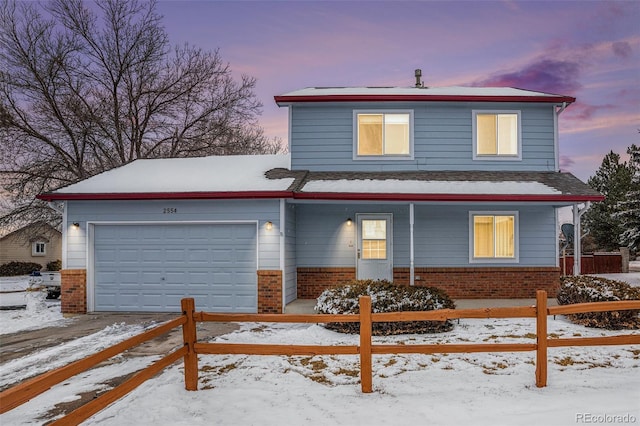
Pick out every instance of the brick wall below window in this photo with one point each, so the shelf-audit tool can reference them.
(459, 283)
(73, 291)
(486, 283)
(270, 292)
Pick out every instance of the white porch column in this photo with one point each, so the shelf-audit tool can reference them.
(411, 262)
(576, 241)
(283, 235)
(577, 234)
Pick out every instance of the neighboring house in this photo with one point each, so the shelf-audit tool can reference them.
(42, 245)
(451, 187)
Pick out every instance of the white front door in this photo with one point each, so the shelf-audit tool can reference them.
(375, 247)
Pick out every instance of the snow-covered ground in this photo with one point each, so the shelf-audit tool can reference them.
(38, 312)
(585, 384)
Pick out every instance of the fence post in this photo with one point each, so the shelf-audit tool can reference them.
(541, 338)
(189, 339)
(366, 374)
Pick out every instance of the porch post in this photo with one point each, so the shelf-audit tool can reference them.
(577, 232)
(576, 241)
(282, 241)
(411, 262)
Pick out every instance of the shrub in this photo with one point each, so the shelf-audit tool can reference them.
(385, 297)
(54, 265)
(586, 289)
(18, 268)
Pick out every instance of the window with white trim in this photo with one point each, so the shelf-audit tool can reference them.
(493, 236)
(38, 248)
(379, 134)
(496, 135)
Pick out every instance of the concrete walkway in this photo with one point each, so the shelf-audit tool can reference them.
(305, 306)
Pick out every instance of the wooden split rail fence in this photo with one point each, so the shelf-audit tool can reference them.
(19, 394)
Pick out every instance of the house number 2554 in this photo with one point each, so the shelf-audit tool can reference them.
(169, 210)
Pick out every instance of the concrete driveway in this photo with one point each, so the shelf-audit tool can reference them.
(23, 343)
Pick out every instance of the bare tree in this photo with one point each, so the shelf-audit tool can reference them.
(86, 89)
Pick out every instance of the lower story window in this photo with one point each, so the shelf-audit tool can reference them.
(494, 236)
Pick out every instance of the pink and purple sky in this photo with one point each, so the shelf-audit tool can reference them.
(586, 49)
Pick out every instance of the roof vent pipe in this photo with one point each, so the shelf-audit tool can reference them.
(418, 74)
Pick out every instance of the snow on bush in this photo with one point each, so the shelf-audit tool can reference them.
(586, 289)
(385, 297)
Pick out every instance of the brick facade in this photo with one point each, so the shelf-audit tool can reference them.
(459, 283)
(312, 281)
(73, 291)
(270, 292)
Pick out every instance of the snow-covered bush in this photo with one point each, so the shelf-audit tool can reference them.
(12, 269)
(385, 297)
(586, 289)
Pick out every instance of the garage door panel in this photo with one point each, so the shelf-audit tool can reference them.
(196, 256)
(150, 277)
(174, 255)
(150, 256)
(152, 267)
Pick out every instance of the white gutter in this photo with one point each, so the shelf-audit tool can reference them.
(556, 136)
(411, 253)
(65, 235)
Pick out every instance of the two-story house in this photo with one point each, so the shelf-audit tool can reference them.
(454, 187)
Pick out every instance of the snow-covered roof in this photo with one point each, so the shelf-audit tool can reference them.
(269, 176)
(453, 93)
(232, 173)
(396, 186)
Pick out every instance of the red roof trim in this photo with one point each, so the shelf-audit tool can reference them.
(432, 98)
(167, 195)
(346, 196)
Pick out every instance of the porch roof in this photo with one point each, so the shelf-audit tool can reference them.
(439, 186)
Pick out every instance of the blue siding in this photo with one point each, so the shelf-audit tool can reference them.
(187, 210)
(322, 137)
(441, 234)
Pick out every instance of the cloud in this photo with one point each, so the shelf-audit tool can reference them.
(621, 49)
(544, 75)
(566, 163)
(582, 111)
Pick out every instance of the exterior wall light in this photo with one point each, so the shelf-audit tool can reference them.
(349, 222)
(269, 226)
(76, 225)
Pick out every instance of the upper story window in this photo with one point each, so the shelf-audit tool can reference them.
(380, 134)
(493, 236)
(496, 135)
(38, 248)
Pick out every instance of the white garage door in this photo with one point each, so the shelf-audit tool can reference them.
(152, 267)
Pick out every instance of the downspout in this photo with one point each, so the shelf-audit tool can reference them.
(283, 230)
(577, 243)
(411, 253)
(53, 206)
(289, 129)
(556, 135)
(63, 212)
